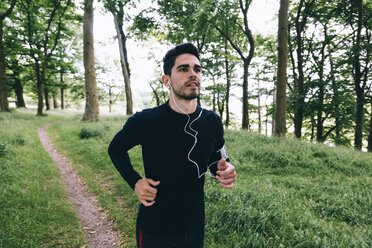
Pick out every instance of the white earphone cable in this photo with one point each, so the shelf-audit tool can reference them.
(193, 135)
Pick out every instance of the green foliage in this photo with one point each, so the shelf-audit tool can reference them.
(40, 44)
(288, 193)
(89, 132)
(19, 140)
(3, 149)
(323, 35)
(144, 25)
(35, 211)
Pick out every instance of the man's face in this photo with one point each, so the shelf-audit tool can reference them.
(186, 77)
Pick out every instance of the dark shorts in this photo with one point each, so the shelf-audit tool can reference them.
(192, 238)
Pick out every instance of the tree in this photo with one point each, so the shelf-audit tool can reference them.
(16, 65)
(360, 74)
(280, 115)
(91, 112)
(44, 34)
(183, 22)
(299, 91)
(68, 62)
(17, 82)
(4, 105)
(265, 67)
(226, 19)
(116, 7)
(323, 42)
(219, 67)
(356, 16)
(370, 128)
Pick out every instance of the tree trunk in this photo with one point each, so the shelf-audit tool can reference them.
(214, 108)
(62, 91)
(228, 86)
(4, 104)
(300, 81)
(299, 116)
(39, 85)
(62, 98)
(46, 95)
(300, 87)
(319, 121)
(18, 90)
(273, 118)
(259, 107)
(91, 112)
(156, 95)
(220, 105)
(199, 101)
(335, 99)
(313, 124)
(245, 121)
(358, 139)
(110, 99)
(281, 102)
(321, 92)
(359, 119)
(124, 60)
(267, 118)
(370, 130)
(55, 101)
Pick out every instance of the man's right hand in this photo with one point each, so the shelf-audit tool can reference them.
(146, 191)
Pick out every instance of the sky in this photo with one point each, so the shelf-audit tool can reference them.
(262, 19)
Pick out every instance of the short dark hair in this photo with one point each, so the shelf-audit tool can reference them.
(171, 55)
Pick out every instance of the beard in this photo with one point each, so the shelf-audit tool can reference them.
(182, 95)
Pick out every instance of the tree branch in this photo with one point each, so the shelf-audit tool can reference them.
(8, 11)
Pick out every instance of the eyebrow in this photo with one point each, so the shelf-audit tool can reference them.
(187, 66)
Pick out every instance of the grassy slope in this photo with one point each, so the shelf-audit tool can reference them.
(288, 193)
(34, 211)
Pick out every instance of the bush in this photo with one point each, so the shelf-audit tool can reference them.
(86, 133)
(3, 149)
(19, 140)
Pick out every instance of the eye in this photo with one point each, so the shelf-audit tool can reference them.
(183, 69)
(197, 70)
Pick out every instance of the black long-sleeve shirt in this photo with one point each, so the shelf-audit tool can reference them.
(179, 203)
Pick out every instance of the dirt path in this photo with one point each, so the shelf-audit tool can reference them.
(98, 229)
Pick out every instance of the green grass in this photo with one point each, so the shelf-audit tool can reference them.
(288, 193)
(292, 194)
(34, 211)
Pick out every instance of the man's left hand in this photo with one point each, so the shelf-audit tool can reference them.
(226, 174)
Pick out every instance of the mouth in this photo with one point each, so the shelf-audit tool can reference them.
(192, 84)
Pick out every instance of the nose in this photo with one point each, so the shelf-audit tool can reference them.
(192, 74)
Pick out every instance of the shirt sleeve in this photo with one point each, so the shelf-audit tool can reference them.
(123, 141)
(220, 151)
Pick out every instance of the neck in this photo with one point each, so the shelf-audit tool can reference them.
(177, 105)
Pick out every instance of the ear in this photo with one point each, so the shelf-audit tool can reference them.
(165, 79)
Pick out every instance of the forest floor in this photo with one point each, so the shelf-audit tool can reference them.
(98, 228)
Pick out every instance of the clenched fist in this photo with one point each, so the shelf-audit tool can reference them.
(226, 174)
(146, 191)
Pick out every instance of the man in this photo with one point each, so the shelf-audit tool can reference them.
(180, 142)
